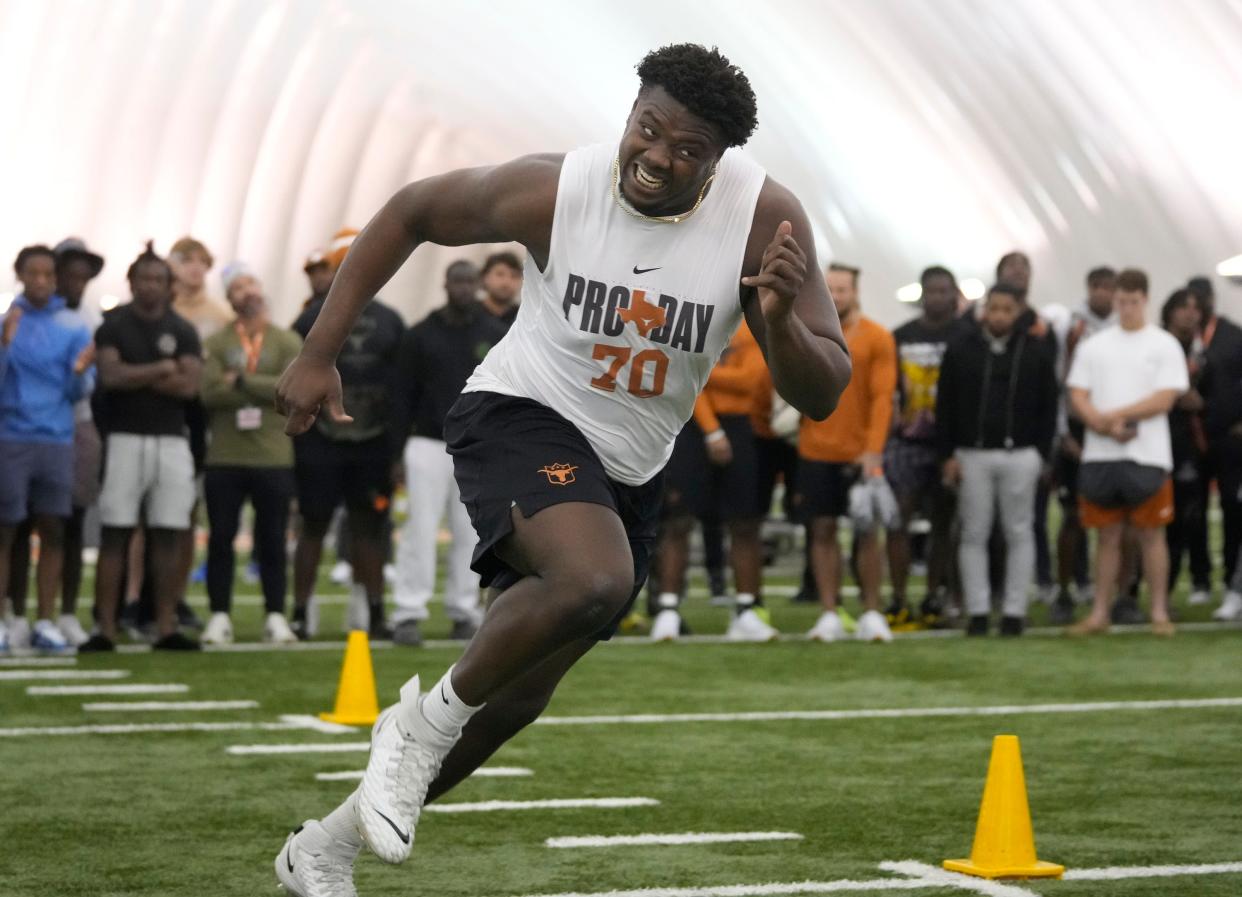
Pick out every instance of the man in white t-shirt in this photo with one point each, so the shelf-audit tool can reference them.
(1122, 384)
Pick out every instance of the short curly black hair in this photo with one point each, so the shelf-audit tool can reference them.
(29, 252)
(707, 84)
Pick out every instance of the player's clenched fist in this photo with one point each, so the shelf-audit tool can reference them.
(305, 387)
(782, 272)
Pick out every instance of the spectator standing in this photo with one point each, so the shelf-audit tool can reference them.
(150, 365)
(1123, 383)
(46, 359)
(714, 472)
(190, 261)
(845, 448)
(502, 286)
(76, 266)
(349, 460)
(996, 415)
(1095, 314)
(1186, 533)
(911, 461)
(1221, 388)
(436, 357)
(249, 457)
(319, 274)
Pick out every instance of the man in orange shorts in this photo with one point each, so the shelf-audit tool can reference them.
(1122, 384)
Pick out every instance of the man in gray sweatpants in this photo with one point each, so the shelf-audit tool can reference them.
(996, 409)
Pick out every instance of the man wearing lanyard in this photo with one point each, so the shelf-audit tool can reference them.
(249, 457)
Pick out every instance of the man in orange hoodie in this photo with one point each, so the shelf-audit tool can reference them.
(715, 469)
(842, 450)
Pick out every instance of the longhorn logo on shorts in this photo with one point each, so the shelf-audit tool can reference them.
(559, 474)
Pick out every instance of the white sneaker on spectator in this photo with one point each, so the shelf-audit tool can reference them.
(872, 627)
(828, 628)
(312, 864)
(342, 573)
(72, 630)
(667, 626)
(406, 753)
(276, 630)
(46, 637)
(358, 613)
(1046, 594)
(19, 632)
(748, 626)
(390, 574)
(312, 617)
(4, 638)
(219, 630)
(1199, 597)
(1230, 608)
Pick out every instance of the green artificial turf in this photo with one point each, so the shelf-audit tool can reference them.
(173, 814)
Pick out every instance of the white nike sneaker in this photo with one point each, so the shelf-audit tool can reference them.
(72, 630)
(667, 626)
(219, 630)
(46, 637)
(358, 613)
(1230, 608)
(1199, 597)
(311, 864)
(406, 753)
(748, 626)
(872, 627)
(4, 638)
(342, 573)
(276, 630)
(828, 628)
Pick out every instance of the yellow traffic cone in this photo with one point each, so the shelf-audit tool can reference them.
(1004, 842)
(356, 701)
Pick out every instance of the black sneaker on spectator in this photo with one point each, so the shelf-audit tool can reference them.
(1126, 611)
(463, 630)
(408, 633)
(379, 630)
(175, 641)
(129, 621)
(978, 625)
(897, 613)
(1011, 627)
(97, 643)
(931, 610)
(186, 618)
(1062, 611)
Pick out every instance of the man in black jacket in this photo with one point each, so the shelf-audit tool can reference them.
(996, 409)
(436, 357)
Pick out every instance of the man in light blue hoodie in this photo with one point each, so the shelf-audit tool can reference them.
(46, 364)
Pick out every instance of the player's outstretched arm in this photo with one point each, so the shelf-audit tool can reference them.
(789, 309)
(510, 202)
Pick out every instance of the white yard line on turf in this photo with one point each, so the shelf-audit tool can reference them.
(170, 688)
(342, 747)
(37, 661)
(29, 675)
(669, 840)
(1111, 873)
(775, 888)
(315, 724)
(484, 772)
(149, 728)
(491, 806)
(934, 875)
(886, 713)
(153, 706)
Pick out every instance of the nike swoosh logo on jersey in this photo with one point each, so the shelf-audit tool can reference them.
(404, 836)
(638, 270)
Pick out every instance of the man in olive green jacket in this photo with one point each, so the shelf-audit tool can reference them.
(248, 455)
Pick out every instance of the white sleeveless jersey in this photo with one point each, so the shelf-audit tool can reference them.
(621, 330)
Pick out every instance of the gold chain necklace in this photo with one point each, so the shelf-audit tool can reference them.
(663, 219)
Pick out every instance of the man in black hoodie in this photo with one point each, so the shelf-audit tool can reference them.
(996, 410)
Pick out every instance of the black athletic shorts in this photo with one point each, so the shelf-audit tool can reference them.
(693, 486)
(777, 458)
(329, 472)
(511, 452)
(823, 489)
